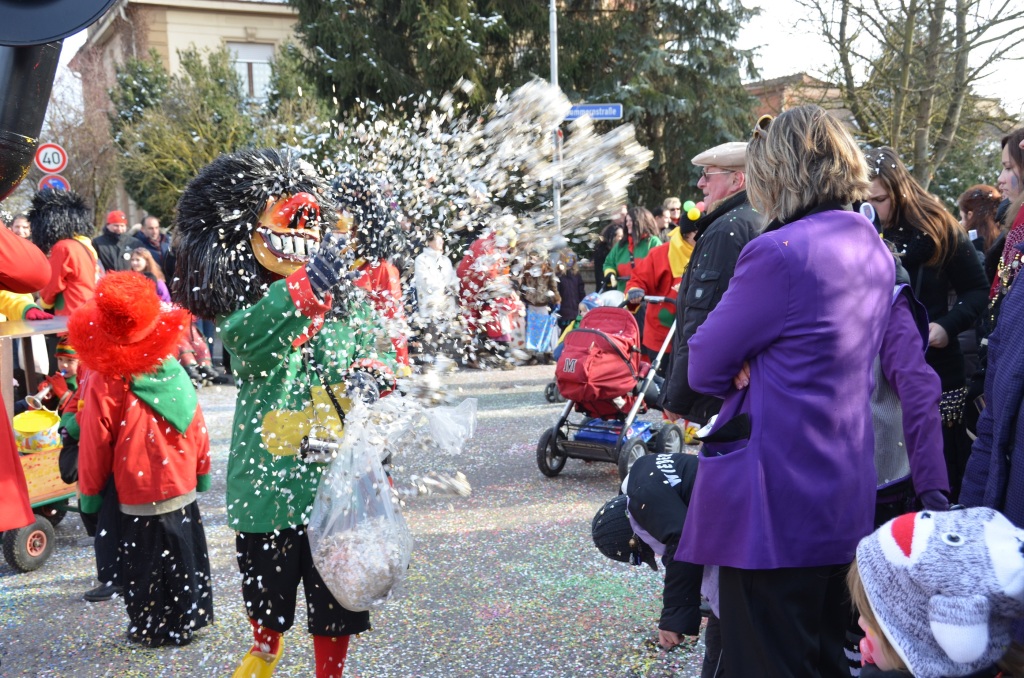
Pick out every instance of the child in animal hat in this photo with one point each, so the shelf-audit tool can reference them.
(142, 426)
(938, 593)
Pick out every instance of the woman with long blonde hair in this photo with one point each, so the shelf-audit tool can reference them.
(942, 265)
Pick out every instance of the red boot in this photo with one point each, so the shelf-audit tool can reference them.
(266, 651)
(330, 653)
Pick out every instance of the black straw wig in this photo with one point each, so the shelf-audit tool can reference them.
(216, 271)
(58, 215)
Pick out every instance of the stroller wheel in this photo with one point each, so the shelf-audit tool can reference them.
(631, 450)
(670, 439)
(550, 459)
(551, 393)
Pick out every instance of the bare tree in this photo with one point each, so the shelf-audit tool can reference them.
(907, 69)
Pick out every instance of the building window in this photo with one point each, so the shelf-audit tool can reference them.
(252, 63)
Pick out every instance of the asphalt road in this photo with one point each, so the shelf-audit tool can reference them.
(503, 583)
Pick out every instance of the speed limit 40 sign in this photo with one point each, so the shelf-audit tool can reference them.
(51, 158)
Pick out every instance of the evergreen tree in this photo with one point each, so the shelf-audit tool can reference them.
(670, 62)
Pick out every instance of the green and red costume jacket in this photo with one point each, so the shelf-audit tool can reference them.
(659, 275)
(146, 431)
(281, 398)
(624, 258)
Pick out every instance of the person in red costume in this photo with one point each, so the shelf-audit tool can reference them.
(61, 226)
(490, 304)
(23, 269)
(658, 275)
(141, 425)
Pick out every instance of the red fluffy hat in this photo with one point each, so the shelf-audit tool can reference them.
(122, 331)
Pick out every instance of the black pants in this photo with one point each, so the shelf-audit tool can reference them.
(712, 665)
(166, 573)
(105, 528)
(272, 565)
(956, 448)
(785, 623)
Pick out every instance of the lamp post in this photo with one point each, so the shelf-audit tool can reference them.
(556, 137)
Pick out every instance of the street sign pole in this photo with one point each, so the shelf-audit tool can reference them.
(556, 136)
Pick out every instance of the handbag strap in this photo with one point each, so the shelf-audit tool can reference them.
(319, 369)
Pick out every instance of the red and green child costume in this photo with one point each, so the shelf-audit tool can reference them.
(140, 424)
(658, 275)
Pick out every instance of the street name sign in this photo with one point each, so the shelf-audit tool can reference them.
(596, 111)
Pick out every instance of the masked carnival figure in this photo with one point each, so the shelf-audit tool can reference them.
(257, 251)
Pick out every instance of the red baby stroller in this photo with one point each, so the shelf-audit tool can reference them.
(602, 374)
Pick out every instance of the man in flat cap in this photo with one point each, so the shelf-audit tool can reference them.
(729, 224)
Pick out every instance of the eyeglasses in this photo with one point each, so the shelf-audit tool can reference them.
(762, 125)
(705, 173)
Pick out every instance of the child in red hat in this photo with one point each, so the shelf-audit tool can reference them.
(141, 424)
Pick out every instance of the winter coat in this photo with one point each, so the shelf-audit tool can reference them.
(114, 251)
(161, 252)
(539, 287)
(624, 256)
(23, 270)
(721, 236)
(383, 286)
(148, 433)
(787, 476)
(72, 276)
(995, 470)
(572, 291)
(960, 274)
(658, 491)
(905, 402)
(485, 290)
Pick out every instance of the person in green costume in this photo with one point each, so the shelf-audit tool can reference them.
(257, 249)
(640, 238)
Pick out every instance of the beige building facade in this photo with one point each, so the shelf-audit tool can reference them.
(252, 30)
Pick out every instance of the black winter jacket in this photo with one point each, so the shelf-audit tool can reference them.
(114, 251)
(721, 236)
(658, 489)
(954, 293)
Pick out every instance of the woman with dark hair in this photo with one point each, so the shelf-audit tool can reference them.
(610, 237)
(786, 481)
(978, 208)
(641, 236)
(942, 265)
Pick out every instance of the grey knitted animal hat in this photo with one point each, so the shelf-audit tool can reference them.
(945, 587)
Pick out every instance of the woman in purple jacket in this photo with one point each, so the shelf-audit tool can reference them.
(786, 486)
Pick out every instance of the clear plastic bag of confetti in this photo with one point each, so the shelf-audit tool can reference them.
(360, 542)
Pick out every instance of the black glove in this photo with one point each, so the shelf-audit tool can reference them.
(327, 267)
